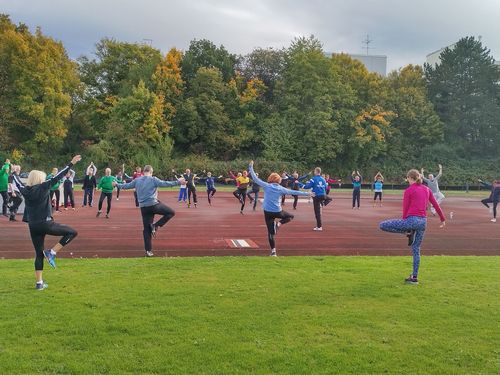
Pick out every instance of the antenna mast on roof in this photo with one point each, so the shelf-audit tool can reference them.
(367, 43)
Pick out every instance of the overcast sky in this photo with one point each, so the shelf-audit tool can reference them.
(405, 31)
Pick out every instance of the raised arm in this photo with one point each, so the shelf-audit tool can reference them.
(440, 173)
(62, 172)
(162, 183)
(256, 179)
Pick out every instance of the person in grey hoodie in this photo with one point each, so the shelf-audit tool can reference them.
(433, 183)
(146, 188)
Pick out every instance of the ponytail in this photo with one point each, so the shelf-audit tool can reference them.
(414, 175)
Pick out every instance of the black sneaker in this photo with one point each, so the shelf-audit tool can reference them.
(153, 230)
(107, 216)
(411, 237)
(98, 214)
(12, 218)
(411, 280)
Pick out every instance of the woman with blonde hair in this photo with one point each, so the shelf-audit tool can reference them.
(415, 200)
(38, 214)
(272, 203)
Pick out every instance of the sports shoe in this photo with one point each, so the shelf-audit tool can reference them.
(411, 237)
(411, 280)
(117, 199)
(65, 208)
(318, 229)
(494, 220)
(153, 230)
(41, 286)
(195, 205)
(107, 216)
(51, 258)
(273, 253)
(149, 254)
(12, 218)
(98, 214)
(189, 205)
(241, 212)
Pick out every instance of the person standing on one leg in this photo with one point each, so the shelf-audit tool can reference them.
(38, 214)
(357, 180)
(318, 185)
(89, 184)
(242, 182)
(14, 192)
(211, 190)
(493, 198)
(106, 185)
(414, 221)
(4, 182)
(147, 192)
(253, 196)
(273, 191)
(378, 184)
(433, 184)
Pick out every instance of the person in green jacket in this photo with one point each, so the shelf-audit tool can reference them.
(4, 184)
(54, 190)
(106, 186)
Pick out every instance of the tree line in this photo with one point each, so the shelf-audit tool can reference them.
(129, 103)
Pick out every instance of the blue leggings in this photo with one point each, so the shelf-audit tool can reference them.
(182, 194)
(415, 223)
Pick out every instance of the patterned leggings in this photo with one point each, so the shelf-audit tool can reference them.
(415, 223)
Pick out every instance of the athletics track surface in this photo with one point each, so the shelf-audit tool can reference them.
(207, 231)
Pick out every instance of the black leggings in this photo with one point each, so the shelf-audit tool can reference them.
(356, 197)
(270, 217)
(6, 199)
(495, 203)
(210, 194)
(117, 192)
(136, 199)
(39, 230)
(377, 194)
(191, 190)
(57, 193)
(68, 196)
(16, 202)
(319, 201)
(109, 197)
(148, 215)
(241, 195)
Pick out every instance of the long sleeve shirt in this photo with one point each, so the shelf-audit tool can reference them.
(415, 200)
(495, 190)
(106, 184)
(37, 198)
(356, 185)
(210, 183)
(434, 183)
(89, 182)
(317, 184)
(4, 176)
(146, 188)
(273, 193)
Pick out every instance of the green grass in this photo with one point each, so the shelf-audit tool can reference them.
(252, 315)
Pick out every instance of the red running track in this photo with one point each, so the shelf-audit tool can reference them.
(204, 231)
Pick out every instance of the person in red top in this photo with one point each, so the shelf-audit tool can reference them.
(414, 221)
(138, 173)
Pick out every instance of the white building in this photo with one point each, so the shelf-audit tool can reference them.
(433, 58)
(374, 63)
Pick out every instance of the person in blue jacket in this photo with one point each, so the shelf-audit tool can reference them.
(272, 204)
(318, 185)
(210, 184)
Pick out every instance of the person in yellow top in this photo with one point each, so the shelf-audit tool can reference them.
(242, 182)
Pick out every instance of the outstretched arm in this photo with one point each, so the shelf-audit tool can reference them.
(127, 185)
(54, 180)
(162, 183)
(256, 179)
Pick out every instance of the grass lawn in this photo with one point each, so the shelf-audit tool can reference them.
(252, 315)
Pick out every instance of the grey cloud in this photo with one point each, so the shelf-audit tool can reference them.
(405, 31)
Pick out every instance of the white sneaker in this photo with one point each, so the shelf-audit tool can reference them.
(149, 254)
(273, 254)
(117, 199)
(493, 220)
(318, 229)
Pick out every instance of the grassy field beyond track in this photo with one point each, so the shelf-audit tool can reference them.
(252, 315)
